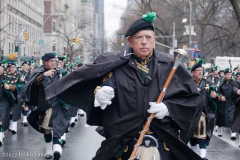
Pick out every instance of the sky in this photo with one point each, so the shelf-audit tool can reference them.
(113, 11)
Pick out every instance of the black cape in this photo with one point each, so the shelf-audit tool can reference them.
(78, 87)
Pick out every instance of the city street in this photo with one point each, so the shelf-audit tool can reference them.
(83, 142)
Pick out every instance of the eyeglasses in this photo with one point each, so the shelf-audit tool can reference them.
(199, 70)
(140, 38)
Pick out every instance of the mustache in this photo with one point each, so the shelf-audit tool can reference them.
(228, 76)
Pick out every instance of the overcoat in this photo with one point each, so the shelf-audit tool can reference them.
(128, 113)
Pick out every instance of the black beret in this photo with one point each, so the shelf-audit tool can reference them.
(220, 71)
(60, 58)
(25, 62)
(145, 23)
(237, 74)
(227, 71)
(236, 68)
(197, 65)
(48, 56)
(80, 65)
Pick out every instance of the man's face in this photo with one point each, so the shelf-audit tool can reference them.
(221, 74)
(50, 64)
(12, 69)
(142, 43)
(61, 64)
(215, 74)
(25, 67)
(235, 70)
(228, 76)
(198, 73)
(210, 73)
(1, 70)
(238, 77)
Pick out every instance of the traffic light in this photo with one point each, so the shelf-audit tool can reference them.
(90, 55)
(26, 35)
(122, 41)
(74, 40)
(77, 40)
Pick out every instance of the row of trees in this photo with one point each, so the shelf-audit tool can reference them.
(216, 24)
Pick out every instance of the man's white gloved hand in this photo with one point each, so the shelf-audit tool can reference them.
(160, 109)
(103, 97)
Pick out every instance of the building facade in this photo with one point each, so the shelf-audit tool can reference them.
(16, 17)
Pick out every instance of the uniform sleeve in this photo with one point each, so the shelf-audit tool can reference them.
(109, 80)
(12, 88)
(39, 80)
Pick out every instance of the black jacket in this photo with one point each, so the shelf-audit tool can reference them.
(126, 117)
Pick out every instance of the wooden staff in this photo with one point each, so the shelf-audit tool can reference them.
(180, 56)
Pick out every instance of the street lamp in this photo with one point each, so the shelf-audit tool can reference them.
(50, 15)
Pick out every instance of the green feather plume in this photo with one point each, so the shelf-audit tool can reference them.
(4, 62)
(237, 67)
(150, 17)
(55, 53)
(64, 56)
(216, 67)
(227, 69)
(26, 60)
(15, 63)
(201, 61)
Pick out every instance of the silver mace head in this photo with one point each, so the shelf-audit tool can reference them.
(180, 56)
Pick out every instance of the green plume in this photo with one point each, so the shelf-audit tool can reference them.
(15, 63)
(150, 17)
(26, 60)
(201, 61)
(64, 56)
(55, 53)
(227, 69)
(46, 53)
(4, 62)
(216, 67)
(237, 67)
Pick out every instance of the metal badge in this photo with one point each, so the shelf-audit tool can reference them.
(147, 142)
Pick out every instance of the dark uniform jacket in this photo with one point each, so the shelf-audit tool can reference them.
(128, 113)
(236, 117)
(225, 109)
(4, 106)
(207, 107)
(33, 93)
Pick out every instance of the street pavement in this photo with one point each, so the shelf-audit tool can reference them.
(83, 142)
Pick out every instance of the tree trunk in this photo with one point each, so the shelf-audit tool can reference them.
(236, 9)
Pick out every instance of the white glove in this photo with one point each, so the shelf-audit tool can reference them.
(103, 97)
(160, 109)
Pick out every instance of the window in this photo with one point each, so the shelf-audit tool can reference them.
(53, 27)
(9, 25)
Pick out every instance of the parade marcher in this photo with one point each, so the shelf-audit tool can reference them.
(235, 70)
(216, 80)
(129, 83)
(5, 102)
(221, 74)
(12, 78)
(236, 117)
(210, 75)
(24, 75)
(51, 114)
(226, 105)
(206, 123)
